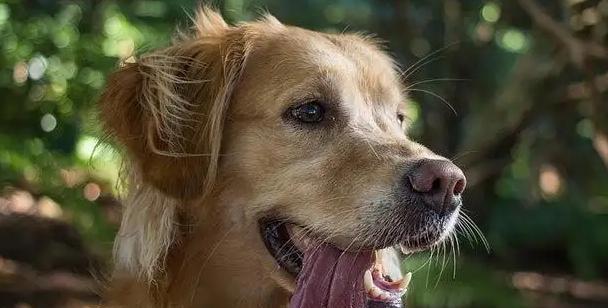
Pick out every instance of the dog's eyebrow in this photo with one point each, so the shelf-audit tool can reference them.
(317, 87)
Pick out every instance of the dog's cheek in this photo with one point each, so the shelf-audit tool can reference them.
(269, 175)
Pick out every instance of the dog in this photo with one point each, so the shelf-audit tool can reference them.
(270, 166)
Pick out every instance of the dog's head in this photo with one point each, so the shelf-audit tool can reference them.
(299, 136)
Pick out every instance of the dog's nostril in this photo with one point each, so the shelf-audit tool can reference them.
(459, 187)
(436, 184)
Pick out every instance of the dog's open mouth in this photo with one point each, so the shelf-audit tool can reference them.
(330, 277)
(280, 244)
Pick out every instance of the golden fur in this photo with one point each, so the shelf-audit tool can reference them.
(203, 128)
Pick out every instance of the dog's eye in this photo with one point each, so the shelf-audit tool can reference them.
(311, 112)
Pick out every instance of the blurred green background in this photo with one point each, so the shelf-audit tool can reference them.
(528, 81)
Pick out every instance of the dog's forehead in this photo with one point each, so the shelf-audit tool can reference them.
(348, 63)
(347, 58)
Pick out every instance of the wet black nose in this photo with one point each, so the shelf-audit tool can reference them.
(438, 182)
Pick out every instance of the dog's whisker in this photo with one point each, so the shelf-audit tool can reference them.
(467, 220)
(428, 269)
(461, 228)
(410, 85)
(423, 61)
(442, 266)
(460, 155)
(443, 100)
(454, 252)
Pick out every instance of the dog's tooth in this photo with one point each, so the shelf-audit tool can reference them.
(403, 249)
(375, 292)
(368, 282)
(405, 281)
(379, 267)
(402, 292)
(384, 295)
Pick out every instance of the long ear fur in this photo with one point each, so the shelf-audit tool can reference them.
(168, 110)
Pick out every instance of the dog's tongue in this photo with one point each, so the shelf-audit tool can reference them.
(331, 278)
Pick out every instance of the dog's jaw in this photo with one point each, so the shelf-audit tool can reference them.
(300, 253)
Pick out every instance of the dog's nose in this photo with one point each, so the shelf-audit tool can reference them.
(439, 182)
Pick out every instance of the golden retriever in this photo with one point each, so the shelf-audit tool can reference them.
(269, 166)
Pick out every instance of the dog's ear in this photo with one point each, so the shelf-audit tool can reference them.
(168, 108)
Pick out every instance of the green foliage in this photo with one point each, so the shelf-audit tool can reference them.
(437, 283)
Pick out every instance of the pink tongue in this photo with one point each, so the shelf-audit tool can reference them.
(331, 278)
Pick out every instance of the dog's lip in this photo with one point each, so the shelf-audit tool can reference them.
(286, 241)
(282, 245)
(299, 237)
(416, 245)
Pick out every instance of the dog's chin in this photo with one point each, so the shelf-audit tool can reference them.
(435, 233)
(289, 243)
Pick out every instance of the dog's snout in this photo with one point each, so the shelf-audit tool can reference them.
(439, 182)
